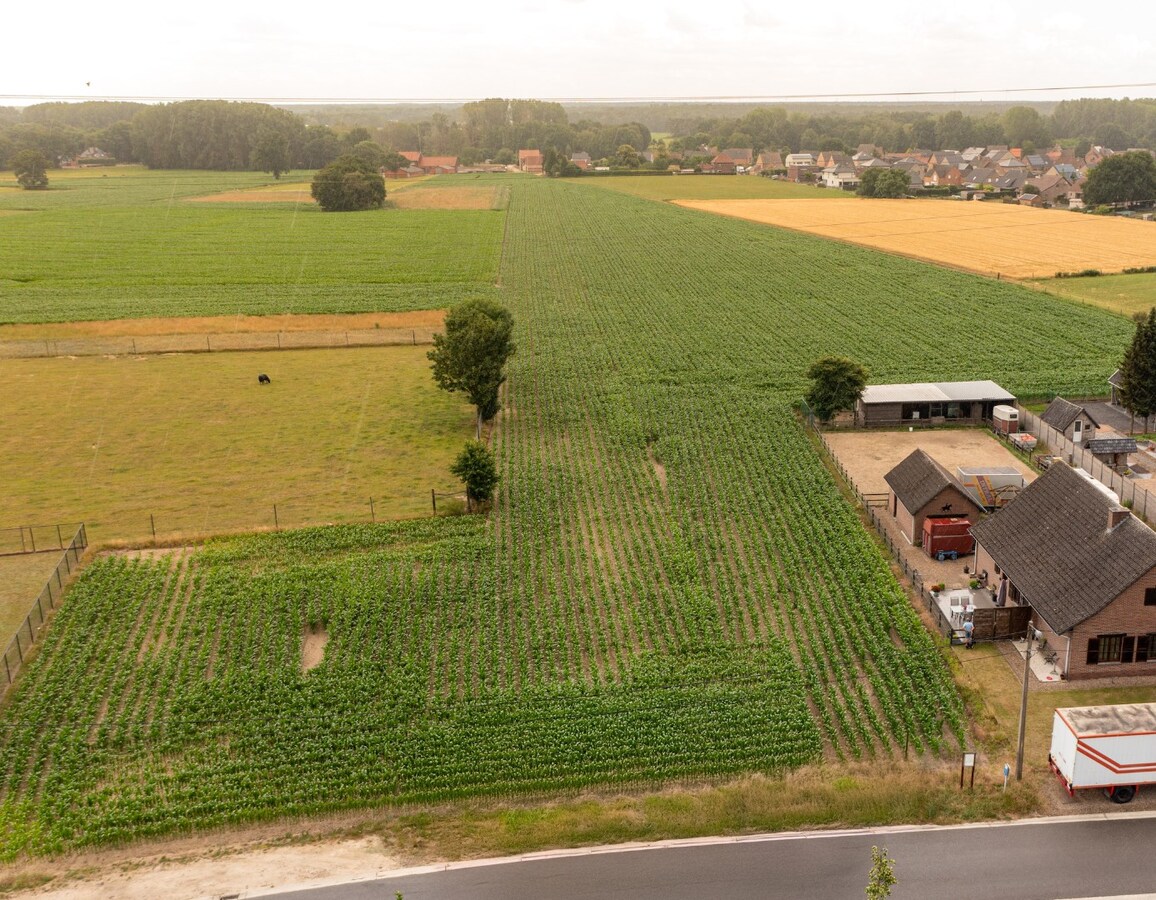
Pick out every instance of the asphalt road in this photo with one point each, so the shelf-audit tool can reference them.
(1038, 860)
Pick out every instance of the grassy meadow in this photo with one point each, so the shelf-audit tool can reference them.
(139, 243)
(671, 584)
(194, 441)
(710, 187)
(1123, 294)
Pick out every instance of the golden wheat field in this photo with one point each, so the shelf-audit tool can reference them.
(991, 238)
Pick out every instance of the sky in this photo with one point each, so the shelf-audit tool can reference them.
(572, 49)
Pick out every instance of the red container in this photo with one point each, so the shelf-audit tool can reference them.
(948, 538)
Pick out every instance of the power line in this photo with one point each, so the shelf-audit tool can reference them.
(717, 98)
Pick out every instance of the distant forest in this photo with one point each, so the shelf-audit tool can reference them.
(218, 134)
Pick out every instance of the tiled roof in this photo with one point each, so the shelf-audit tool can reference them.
(918, 478)
(1054, 544)
(1061, 413)
(1111, 445)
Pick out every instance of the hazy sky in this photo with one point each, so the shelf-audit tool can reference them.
(571, 49)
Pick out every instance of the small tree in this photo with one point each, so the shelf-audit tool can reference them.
(882, 876)
(348, 183)
(476, 468)
(470, 355)
(837, 383)
(31, 170)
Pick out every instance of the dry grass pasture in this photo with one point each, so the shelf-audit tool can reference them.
(21, 580)
(194, 441)
(989, 238)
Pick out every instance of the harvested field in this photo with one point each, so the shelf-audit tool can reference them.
(282, 193)
(989, 238)
(431, 197)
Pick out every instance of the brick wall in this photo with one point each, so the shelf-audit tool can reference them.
(1126, 615)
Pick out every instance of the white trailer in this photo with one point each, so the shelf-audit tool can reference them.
(1108, 747)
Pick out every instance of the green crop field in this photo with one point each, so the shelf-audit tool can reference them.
(710, 187)
(137, 245)
(671, 583)
(1123, 294)
(190, 443)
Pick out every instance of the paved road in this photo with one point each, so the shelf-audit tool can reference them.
(1096, 857)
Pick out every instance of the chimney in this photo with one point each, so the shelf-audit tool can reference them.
(1116, 515)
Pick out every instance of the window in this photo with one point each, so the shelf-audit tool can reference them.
(1150, 596)
(1146, 648)
(1106, 648)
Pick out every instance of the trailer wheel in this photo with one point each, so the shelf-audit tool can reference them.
(1122, 794)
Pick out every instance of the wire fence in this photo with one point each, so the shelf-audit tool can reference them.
(17, 650)
(216, 342)
(34, 538)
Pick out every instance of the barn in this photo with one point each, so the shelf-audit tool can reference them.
(920, 489)
(938, 403)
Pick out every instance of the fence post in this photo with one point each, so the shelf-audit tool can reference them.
(434, 499)
(7, 668)
(153, 524)
(19, 649)
(415, 337)
(32, 538)
(59, 539)
(276, 523)
(372, 513)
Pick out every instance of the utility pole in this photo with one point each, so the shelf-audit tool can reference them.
(1024, 705)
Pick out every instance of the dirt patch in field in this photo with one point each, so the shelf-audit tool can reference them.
(213, 872)
(313, 643)
(659, 468)
(286, 193)
(869, 455)
(425, 318)
(445, 198)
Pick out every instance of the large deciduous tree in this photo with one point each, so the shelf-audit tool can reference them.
(886, 183)
(837, 383)
(476, 468)
(31, 170)
(347, 184)
(472, 352)
(1123, 178)
(270, 152)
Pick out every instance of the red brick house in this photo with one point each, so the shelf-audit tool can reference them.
(1087, 568)
(920, 489)
(530, 161)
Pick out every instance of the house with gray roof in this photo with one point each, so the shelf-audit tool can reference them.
(921, 488)
(1070, 420)
(1085, 565)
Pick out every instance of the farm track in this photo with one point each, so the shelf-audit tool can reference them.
(601, 628)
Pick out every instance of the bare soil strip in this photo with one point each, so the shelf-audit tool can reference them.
(426, 318)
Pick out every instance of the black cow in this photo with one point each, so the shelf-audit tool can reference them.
(264, 379)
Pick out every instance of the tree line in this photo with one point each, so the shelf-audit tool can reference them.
(218, 134)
